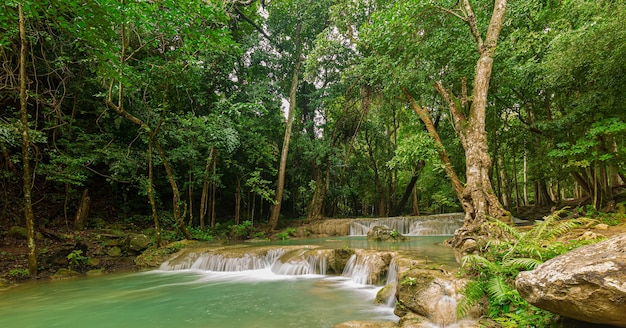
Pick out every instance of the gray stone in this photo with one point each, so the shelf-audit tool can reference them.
(383, 233)
(586, 284)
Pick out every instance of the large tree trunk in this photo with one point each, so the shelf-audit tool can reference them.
(273, 222)
(27, 181)
(478, 199)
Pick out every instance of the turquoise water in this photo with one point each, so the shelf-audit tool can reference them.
(190, 299)
(196, 298)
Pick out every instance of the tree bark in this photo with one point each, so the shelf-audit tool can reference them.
(316, 207)
(80, 221)
(27, 181)
(424, 116)
(155, 214)
(273, 222)
(505, 192)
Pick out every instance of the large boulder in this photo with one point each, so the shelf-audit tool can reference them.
(586, 284)
(384, 233)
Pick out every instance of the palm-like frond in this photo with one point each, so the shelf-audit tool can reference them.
(474, 260)
(473, 292)
(498, 289)
(522, 264)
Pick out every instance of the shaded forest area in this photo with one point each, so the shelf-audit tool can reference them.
(199, 115)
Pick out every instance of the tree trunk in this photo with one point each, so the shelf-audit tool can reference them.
(505, 192)
(273, 222)
(204, 198)
(410, 188)
(542, 196)
(27, 181)
(80, 221)
(155, 214)
(213, 192)
(316, 207)
(478, 199)
(416, 201)
(424, 116)
(237, 201)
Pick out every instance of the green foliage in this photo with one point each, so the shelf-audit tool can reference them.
(283, 235)
(19, 273)
(409, 281)
(76, 258)
(493, 272)
(199, 234)
(286, 234)
(243, 230)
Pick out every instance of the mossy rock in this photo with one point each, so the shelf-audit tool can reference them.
(93, 262)
(64, 273)
(115, 252)
(95, 272)
(21, 233)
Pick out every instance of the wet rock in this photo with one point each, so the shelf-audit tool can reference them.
(586, 284)
(386, 293)
(366, 324)
(383, 233)
(334, 227)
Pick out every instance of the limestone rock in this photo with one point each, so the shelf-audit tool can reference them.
(586, 284)
(386, 293)
(366, 324)
(383, 233)
(115, 252)
(64, 273)
(137, 242)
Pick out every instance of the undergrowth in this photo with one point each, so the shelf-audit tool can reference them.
(493, 271)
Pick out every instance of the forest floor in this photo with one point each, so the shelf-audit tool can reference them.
(56, 243)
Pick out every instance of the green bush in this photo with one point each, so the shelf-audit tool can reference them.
(19, 273)
(242, 230)
(76, 258)
(282, 235)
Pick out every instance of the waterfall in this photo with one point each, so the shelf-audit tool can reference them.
(392, 279)
(432, 225)
(367, 268)
(301, 262)
(221, 263)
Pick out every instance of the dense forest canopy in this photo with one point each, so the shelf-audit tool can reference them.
(180, 112)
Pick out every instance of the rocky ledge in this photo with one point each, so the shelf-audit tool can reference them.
(586, 284)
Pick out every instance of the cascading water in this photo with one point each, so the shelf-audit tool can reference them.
(432, 225)
(222, 263)
(301, 262)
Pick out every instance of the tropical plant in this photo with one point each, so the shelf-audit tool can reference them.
(493, 271)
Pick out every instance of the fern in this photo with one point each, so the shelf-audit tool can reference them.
(498, 289)
(495, 269)
(522, 263)
(473, 291)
